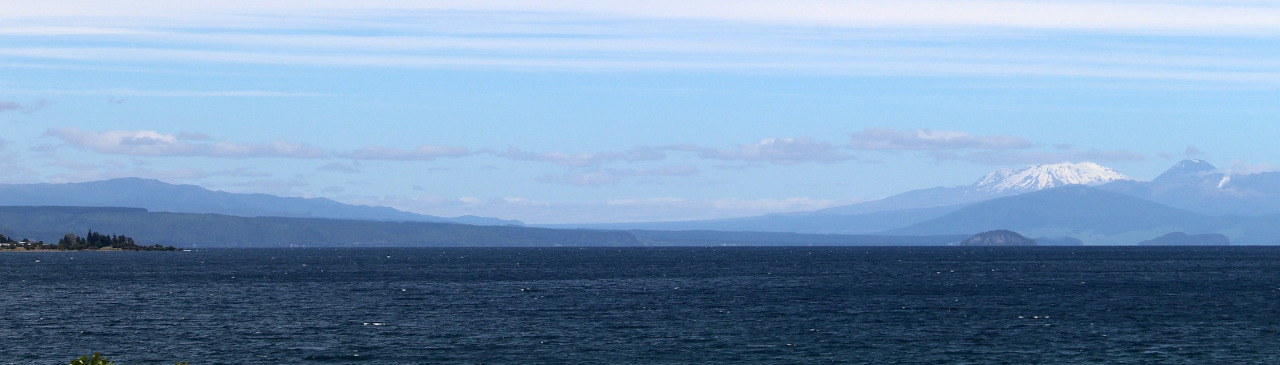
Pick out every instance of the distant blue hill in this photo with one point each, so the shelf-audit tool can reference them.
(158, 196)
(1200, 187)
(1094, 215)
(808, 222)
(195, 230)
(189, 230)
(1192, 196)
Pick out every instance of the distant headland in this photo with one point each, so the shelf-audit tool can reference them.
(93, 241)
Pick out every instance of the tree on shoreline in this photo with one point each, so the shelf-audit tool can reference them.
(10, 243)
(95, 241)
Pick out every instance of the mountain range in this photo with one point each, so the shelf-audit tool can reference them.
(902, 209)
(158, 196)
(1084, 201)
(204, 230)
(1070, 203)
(1198, 186)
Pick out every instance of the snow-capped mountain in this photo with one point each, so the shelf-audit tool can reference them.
(998, 183)
(1189, 170)
(1040, 177)
(1198, 186)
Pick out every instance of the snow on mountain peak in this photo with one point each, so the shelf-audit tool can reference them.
(1040, 177)
(1186, 170)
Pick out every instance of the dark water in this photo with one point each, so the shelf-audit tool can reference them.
(645, 305)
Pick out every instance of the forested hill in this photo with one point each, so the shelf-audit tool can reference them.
(188, 230)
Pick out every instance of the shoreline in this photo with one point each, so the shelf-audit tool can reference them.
(57, 250)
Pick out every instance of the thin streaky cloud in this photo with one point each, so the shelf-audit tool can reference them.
(1222, 68)
(1184, 16)
(883, 139)
(126, 92)
(982, 38)
(65, 31)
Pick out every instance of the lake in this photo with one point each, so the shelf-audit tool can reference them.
(1189, 305)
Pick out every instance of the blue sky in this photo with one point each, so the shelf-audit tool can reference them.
(601, 111)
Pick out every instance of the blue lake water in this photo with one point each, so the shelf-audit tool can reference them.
(1191, 305)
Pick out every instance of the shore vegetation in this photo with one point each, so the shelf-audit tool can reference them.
(91, 241)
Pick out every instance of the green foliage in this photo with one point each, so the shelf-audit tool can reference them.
(7, 243)
(95, 359)
(95, 241)
(92, 241)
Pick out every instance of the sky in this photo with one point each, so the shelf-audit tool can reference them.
(568, 111)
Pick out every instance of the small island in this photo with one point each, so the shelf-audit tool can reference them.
(93, 241)
(998, 238)
(1183, 239)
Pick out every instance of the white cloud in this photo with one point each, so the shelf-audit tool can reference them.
(1245, 168)
(880, 139)
(587, 178)
(1024, 157)
(81, 171)
(271, 149)
(583, 159)
(343, 167)
(143, 143)
(188, 144)
(996, 150)
(15, 172)
(780, 151)
(152, 143)
(421, 153)
(668, 170)
(9, 105)
(6, 106)
(602, 177)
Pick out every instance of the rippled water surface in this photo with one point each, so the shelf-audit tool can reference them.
(645, 305)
